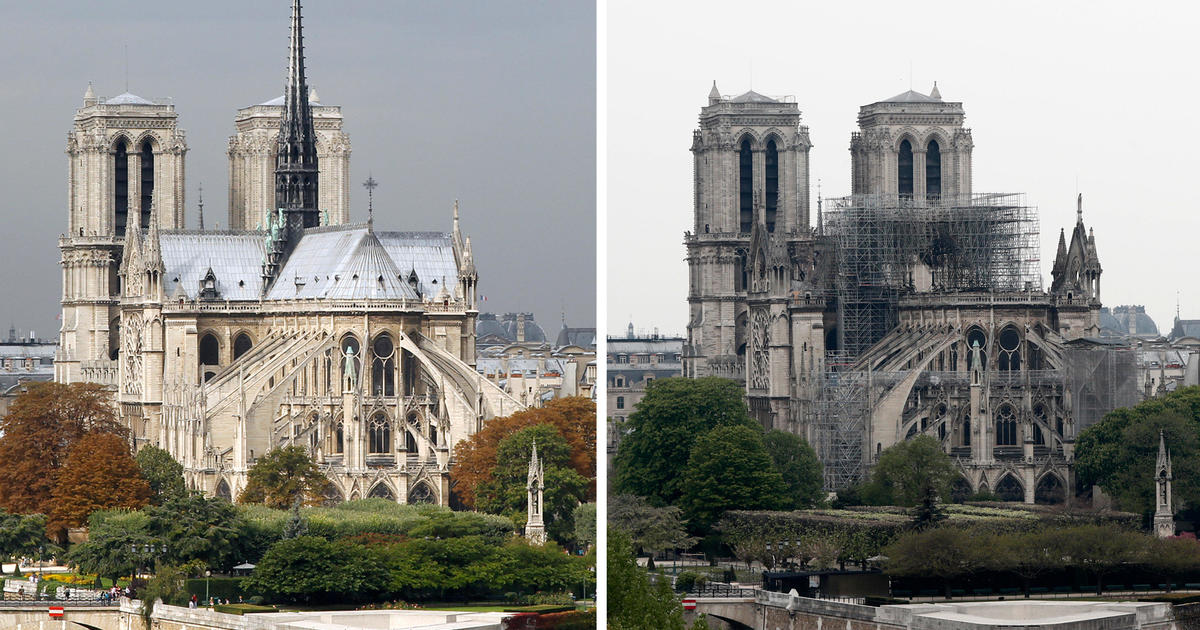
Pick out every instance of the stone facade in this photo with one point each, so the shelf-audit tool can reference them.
(858, 349)
(252, 152)
(357, 344)
(126, 159)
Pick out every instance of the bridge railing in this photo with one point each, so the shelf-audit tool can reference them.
(720, 589)
(18, 593)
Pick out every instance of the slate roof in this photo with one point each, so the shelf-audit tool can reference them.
(582, 337)
(912, 97)
(752, 97)
(235, 258)
(339, 262)
(127, 99)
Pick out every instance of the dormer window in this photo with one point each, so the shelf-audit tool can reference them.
(208, 285)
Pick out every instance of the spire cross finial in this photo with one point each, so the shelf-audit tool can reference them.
(371, 185)
(200, 202)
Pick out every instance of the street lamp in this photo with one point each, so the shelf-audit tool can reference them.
(207, 577)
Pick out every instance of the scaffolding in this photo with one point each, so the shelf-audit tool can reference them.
(888, 246)
(1099, 379)
(840, 427)
(891, 246)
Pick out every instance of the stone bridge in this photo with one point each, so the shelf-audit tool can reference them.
(780, 611)
(37, 617)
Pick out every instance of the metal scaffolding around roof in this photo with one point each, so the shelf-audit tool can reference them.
(890, 245)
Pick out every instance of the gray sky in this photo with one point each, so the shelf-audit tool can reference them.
(1055, 93)
(490, 102)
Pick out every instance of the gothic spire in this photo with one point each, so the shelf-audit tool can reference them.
(1163, 458)
(296, 164)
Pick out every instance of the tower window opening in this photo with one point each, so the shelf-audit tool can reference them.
(905, 169)
(746, 187)
(933, 171)
(121, 181)
(147, 180)
(772, 184)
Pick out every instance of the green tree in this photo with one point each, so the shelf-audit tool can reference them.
(650, 528)
(167, 585)
(565, 489)
(162, 472)
(296, 526)
(21, 535)
(797, 463)
(40, 430)
(1025, 554)
(669, 419)
(910, 470)
(1120, 454)
(282, 476)
(729, 469)
(633, 604)
(313, 570)
(198, 530)
(1100, 549)
(585, 524)
(1103, 456)
(99, 474)
(945, 552)
(114, 544)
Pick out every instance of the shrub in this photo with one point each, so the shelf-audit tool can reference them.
(688, 581)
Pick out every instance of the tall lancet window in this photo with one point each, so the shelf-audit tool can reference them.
(933, 171)
(772, 185)
(383, 366)
(746, 187)
(147, 182)
(904, 166)
(121, 186)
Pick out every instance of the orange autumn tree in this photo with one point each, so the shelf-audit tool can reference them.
(475, 458)
(42, 427)
(99, 474)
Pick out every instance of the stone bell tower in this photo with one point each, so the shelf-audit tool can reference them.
(749, 152)
(912, 146)
(125, 167)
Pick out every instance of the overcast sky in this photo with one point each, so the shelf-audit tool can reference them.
(492, 103)
(1060, 97)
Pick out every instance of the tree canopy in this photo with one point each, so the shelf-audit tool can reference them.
(314, 570)
(633, 604)
(475, 458)
(910, 471)
(649, 528)
(1119, 452)
(729, 469)
(42, 427)
(799, 467)
(506, 492)
(162, 472)
(21, 534)
(669, 419)
(282, 476)
(99, 474)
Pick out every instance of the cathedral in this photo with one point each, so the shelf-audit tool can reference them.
(292, 327)
(913, 306)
